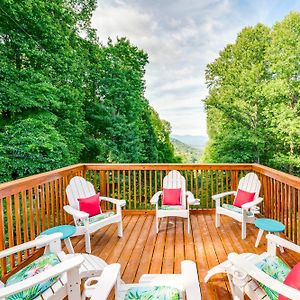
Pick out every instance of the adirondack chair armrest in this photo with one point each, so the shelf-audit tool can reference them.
(101, 290)
(42, 241)
(246, 267)
(56, 270)
(191, 199)
(275, 240)
(155, 198)
(218, 196)
(252, 203)
(119, 202)
(75, 212)
(190, 278)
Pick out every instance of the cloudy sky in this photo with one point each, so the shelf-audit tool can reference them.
(181, 38)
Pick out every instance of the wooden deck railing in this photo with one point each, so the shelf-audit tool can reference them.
(33, 204)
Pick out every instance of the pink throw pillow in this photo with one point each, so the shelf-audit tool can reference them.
(243, 197)
(171, 196)
(90, 205)
(293, 280)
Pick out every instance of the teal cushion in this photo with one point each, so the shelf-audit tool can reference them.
(277, 269)
(96, 218)
(236, 209)
(41, 264)
(171, 207)
(152, 293)
(66, 230)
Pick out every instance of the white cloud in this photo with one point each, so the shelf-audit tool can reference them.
(181, 38)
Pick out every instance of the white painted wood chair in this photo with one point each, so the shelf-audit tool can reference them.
(246, 214)
(174, 180)
(187, 283)
(72, 268)
(80, 188)
(246, 278)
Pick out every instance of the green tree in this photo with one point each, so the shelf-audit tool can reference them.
(42, 76)
(253, 102)
(282, 92)
(122, 127)
(235, 102)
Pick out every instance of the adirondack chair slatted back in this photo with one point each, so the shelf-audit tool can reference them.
(174, 180)
(79, 188)
(250, 183)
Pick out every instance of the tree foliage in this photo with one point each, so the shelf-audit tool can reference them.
(65, 98)
(253, 102)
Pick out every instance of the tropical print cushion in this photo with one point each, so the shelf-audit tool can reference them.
(153, 293)
(96, 218)
(171, 207)
(277, 269)
(43, 263)
(236, 209)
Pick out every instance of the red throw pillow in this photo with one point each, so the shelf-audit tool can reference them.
(243, 197)
(90, 205)
(293, 280)
(171, 196)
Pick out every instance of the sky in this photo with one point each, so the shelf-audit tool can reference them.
(181, 37)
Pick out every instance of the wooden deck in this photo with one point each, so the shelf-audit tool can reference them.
(142, 251)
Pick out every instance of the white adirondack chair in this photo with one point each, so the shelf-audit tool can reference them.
(172, 181)
(246, 278)
(186, 282)
(72, 268)
(80, 188)
(250, 183)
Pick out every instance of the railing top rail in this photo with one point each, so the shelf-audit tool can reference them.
(288, 179)
(167, 166)
(18, 185)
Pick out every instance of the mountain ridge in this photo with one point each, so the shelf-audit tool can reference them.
(195, 141)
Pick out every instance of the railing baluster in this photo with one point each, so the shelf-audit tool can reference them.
(43, 205)
(24, 220)
(150, 187)
(206, 191)
(119, 184)
(17, 224)
(134, 189)
(140, 189)
(145, 189)
(10, 228)
(2, 238)
(48, 213)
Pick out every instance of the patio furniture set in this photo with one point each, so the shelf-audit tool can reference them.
(56, 275)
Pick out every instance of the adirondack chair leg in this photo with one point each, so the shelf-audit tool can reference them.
(244, 228)
(88, 243)
(237, 292)
(259, 236)
(156, 223)
(120, 229)
(218, 221)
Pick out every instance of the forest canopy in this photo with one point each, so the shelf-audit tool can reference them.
(65, 98)
(253, 107)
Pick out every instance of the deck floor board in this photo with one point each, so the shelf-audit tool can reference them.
(141, 251)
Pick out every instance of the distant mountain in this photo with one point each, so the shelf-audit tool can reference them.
(197, 141)
(187, 153)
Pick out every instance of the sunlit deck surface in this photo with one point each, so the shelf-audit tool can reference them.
(142, 251)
